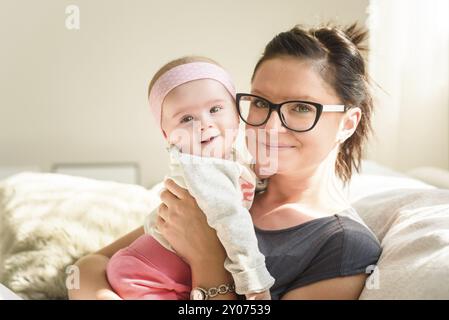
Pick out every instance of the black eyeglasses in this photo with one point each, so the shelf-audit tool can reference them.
(299, 116)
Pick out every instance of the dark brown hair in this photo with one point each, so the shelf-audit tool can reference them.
(337, 54)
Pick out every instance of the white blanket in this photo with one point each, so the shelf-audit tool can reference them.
(6, 294)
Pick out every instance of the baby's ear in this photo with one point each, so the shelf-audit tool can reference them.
(165, 135)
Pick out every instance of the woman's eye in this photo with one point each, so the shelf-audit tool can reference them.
(260, 104)
(186, 119)
(215, 109)
(303, 108)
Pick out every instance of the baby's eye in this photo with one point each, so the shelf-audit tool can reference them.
(186, 119)
(215, 109)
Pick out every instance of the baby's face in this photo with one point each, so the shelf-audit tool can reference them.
(200, 118)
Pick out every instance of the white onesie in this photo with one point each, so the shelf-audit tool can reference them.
(224, 191)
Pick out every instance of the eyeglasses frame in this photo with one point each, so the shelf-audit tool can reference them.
(277, 106)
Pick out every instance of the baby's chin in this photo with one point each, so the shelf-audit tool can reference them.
(215, 152)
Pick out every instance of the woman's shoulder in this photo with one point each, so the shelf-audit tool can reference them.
(355, 230)
(360, 247)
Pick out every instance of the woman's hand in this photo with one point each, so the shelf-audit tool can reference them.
(185, 227)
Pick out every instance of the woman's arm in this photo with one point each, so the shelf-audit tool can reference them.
(92, 270)
(184, 225)
(341, 288)
(93, 282)
(208, 274)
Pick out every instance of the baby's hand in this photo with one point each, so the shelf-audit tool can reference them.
(265, 295)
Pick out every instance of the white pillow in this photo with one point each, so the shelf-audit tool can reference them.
(376, 178)
(413, 227)
(48, 221)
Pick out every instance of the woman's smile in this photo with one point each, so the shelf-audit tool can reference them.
(277, 146)
(280, 147)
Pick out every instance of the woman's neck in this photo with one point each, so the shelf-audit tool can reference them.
(317, 189)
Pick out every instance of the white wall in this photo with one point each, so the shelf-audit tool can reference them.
(80, 96)
(409, 60)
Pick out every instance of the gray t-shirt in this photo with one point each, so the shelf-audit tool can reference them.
(319, 249)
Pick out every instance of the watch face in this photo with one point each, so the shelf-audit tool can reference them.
(197, 295)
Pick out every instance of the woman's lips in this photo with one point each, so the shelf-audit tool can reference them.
(278, 146)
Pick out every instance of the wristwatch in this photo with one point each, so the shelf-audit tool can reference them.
(204, 294)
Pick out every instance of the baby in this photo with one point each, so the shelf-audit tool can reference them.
(193, 102)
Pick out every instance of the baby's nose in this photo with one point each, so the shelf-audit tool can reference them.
(206, 123)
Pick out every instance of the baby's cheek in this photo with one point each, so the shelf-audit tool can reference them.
(232, 128)
(178, 137)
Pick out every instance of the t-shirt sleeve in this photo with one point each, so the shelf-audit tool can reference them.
(350, 250)
(361, 249)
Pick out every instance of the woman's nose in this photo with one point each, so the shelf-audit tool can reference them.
(274, 123)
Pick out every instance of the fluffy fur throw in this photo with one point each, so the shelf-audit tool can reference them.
(48, 221)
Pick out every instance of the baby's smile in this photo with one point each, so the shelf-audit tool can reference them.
(209, 136)
(211, 145)
(208, 140)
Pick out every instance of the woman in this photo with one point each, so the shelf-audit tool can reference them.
(310, 105)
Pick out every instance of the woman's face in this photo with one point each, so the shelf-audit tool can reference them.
(278, 149)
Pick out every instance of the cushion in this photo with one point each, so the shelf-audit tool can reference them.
(48, 221)
(413, 228)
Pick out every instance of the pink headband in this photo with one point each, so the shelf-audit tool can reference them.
(182, 74)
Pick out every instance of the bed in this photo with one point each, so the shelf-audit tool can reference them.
(48, 221)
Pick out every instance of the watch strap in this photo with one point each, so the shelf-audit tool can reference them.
(215, 291)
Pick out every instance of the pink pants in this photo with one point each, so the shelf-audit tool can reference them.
(146, 270)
